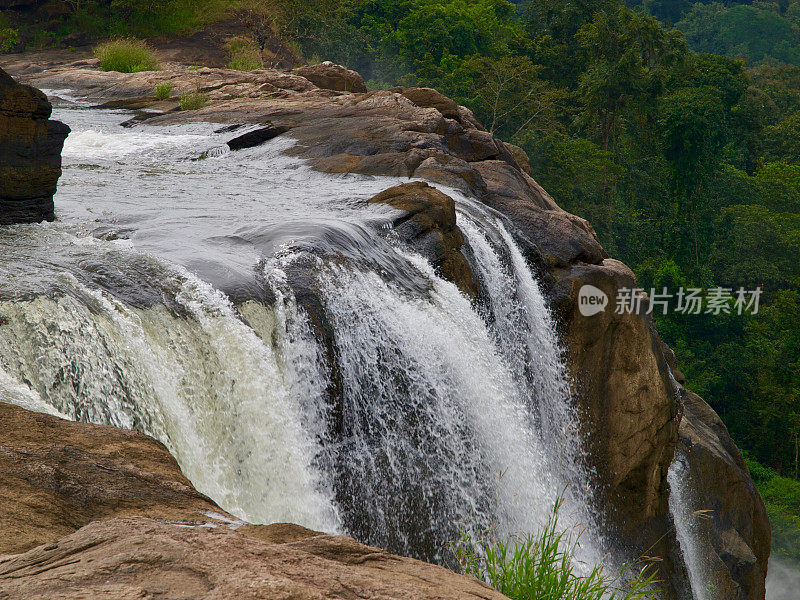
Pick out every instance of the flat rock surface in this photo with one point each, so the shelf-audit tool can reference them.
(143, 558)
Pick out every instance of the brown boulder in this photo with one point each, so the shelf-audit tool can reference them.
(428, 224)
(430, 98)
(30, 153)
(57, 476)
(146, 558)
(330, 76)
(737, 531)
(629, 407)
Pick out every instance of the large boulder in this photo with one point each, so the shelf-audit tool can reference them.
(30, 153)
(147, 558)
(330, 76)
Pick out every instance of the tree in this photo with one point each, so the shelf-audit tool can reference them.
(628, 56)
(508, 96)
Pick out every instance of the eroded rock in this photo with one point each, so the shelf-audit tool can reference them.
(30, 153)
(428, 224)
(57, 476)
(145, 558)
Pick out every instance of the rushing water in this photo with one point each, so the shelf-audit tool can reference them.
(172, 296)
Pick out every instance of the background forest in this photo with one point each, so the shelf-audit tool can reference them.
(673, 126)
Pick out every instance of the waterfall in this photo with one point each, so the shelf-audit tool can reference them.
(691, 537)
(448, 412)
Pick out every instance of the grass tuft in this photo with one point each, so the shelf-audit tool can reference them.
(193, 100)
(126, 55)
(245, 55)
(544, 565)
(164, 90)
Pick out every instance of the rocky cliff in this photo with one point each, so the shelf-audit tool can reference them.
(30, 153)
(634, 412)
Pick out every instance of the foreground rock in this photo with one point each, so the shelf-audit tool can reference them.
(30, 153)
(57, 476)
(93, 511)
(144, 558)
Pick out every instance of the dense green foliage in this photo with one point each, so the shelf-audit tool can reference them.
(544, 565)
(126, 55)
(782, 498)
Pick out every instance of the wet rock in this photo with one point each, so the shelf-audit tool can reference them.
(428, 224)
(256, 137)
(330, 76)
(30, 153)
(736, 527)
(146, 558)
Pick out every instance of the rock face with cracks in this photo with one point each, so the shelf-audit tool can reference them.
(30, 153)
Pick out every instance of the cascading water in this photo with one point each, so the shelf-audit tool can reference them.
(167, 300)
(693, 542)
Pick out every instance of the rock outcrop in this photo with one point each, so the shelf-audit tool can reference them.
(30, 153)
(92, 511)
(736, 531)
(59, 476)
(631, 405)
(428, 224)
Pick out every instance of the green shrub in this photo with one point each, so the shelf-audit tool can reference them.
(8, 38)
(193, 100)
(164, 90)
(245, 55)
(544, 565)
(126, 55)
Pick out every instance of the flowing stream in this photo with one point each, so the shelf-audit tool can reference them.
(182, 298)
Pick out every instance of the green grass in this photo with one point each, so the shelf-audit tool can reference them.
(193, 100)
(781, 496)
(245, 55)
(126, 55)
(544, 566)
(164, 90)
